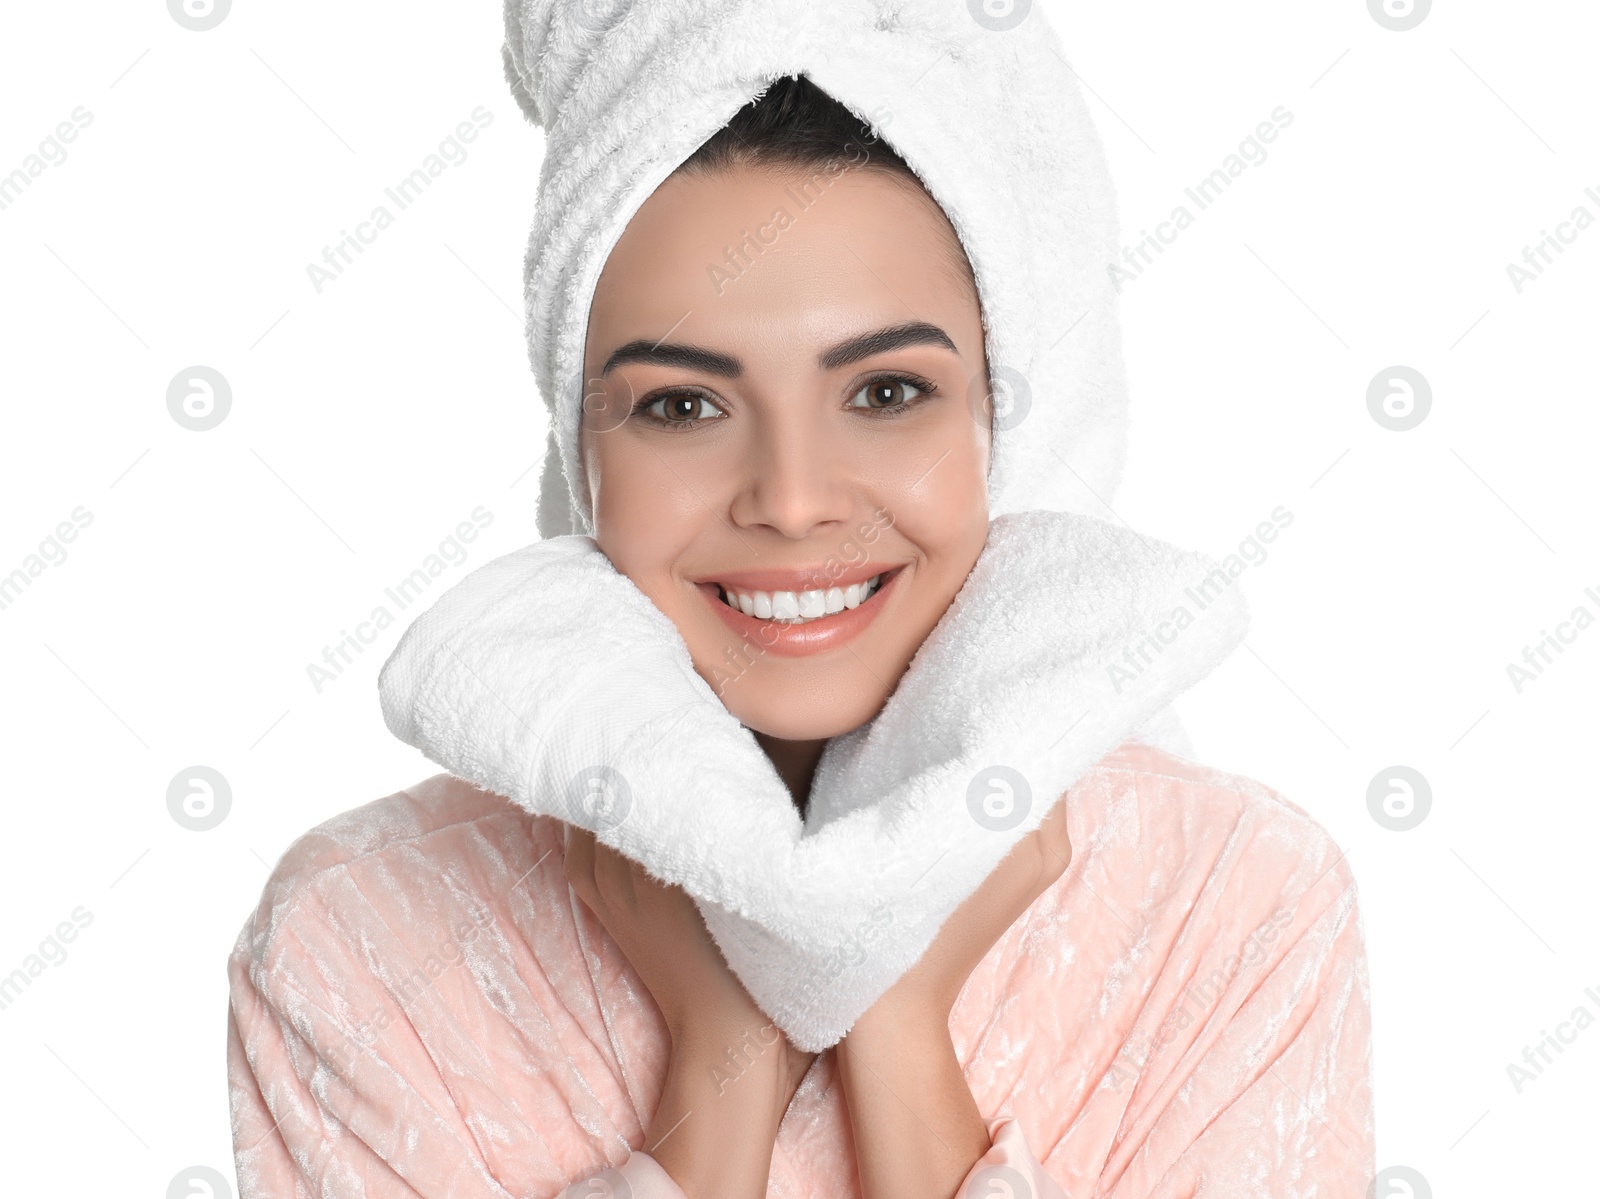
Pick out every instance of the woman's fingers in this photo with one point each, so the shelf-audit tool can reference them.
(579, 865)
(1052, 850)
(602, 877)
(614, 876)
(1055, 846)
(1029, 869)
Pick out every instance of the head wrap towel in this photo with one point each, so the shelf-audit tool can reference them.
(985, 110)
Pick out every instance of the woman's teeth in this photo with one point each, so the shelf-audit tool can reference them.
(798, 607)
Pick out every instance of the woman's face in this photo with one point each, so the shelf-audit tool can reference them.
(790, 402)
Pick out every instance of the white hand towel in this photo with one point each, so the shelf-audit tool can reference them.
(548, 677)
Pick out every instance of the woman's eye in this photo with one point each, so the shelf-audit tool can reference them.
(683, 409)
(886, 393)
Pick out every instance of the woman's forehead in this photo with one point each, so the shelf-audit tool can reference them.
(709, 234)
(747, 256)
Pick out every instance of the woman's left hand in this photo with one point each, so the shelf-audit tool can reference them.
(717, 1032)
(917, 1129)
(929, 989)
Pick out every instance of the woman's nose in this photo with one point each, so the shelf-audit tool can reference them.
(794, 480)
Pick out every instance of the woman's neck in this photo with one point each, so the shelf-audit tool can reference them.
(796, 763)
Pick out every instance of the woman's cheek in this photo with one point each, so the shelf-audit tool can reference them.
(643, 509)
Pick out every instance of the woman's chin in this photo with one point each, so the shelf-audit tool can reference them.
(794, 722)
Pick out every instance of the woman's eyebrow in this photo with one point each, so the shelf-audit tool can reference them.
(881, 341)
(665, 353)
(714, 362)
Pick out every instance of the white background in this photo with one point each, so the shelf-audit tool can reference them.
(369, 420)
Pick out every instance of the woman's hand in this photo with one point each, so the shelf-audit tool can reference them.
(660, 931)
(1032, 866)
(733, 1072)
(918, 1131)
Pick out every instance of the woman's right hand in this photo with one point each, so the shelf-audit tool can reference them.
(732, 1072)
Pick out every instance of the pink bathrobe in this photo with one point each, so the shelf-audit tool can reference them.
(421, 1007)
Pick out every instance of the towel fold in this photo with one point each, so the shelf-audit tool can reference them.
(546, 676)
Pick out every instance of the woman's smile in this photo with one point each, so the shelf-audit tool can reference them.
(766, 465)
(777, 611)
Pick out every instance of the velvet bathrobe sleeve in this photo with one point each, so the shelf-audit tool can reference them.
(420, 1007)
(415, 1010)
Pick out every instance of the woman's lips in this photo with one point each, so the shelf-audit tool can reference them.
(813, 636)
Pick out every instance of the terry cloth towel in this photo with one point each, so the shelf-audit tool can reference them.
(1069, 634)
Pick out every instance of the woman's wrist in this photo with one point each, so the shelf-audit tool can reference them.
(742, 1060)
(918, 1130)
(718, 1116)
(904, 1016)
(904, 1036)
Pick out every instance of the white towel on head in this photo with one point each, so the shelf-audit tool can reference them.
(1069, 634)
(990, 118)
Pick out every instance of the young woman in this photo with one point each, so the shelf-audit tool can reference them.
(1161, 991)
